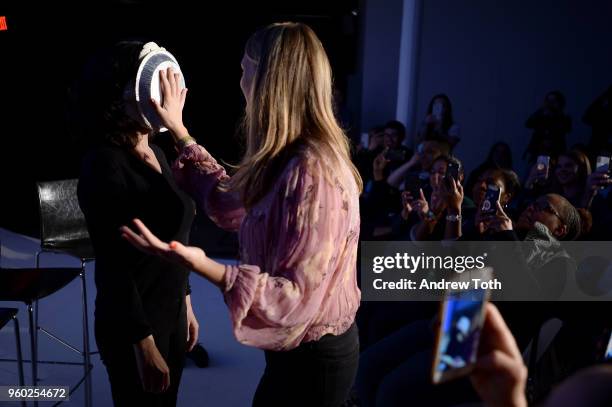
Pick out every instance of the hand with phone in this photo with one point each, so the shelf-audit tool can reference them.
(380, 163)
(542, 169)
(406, 205)
(499, 375)
(598, 180)
(499, 222)
(459, 331)
(420, 205)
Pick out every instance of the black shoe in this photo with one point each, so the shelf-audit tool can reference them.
(199, 356)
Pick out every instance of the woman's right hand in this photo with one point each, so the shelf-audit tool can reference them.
(406, 204)
(152, 368)
(379, 165)
(421, 206)
(173, 100)
(145, 241)
(499, 376)
(596, 180)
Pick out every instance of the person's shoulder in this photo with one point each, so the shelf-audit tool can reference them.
(104, 157)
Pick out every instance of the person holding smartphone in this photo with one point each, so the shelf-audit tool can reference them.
(294, 199)
(439, 123)
(550, 125)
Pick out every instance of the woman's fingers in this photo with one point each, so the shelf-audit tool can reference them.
(422, 194)
(158, 108)
(150, 237)
(177, 83)
(171, 81)
(497, 335)
(134, 239)
(165, 84)
(183, 97)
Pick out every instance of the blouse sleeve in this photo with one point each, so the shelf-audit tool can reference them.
(273, 308)
(199, 174)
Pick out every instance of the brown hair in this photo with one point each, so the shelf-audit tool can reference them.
(289, 106)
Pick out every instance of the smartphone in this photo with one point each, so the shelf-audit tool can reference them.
(543, 167)
(436, 111)
(452, 171)
(489, 203)
(414, 182)
(420, 149)
(462, 315)
(608, 353)
(602, 164)
(365, 140)
(395, 155)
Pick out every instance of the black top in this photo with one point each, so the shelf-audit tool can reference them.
(137, 294)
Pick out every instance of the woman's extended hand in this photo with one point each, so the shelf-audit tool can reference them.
(191, 257)
(145, 241)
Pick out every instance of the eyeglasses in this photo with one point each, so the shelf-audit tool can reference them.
(543, 205)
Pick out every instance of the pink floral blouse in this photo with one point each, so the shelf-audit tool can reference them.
(298, 249)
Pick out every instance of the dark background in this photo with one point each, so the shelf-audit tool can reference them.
(44, 51)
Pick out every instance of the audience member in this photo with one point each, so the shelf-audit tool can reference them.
(439, 123)
(550, 125)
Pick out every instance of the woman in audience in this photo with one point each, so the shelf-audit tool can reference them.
(439, 123)
(550, 125)
(430, 206)
(427, 152)
(364, 158)
(294, 199)
(571, 173)
(500, 156)
(461, 214)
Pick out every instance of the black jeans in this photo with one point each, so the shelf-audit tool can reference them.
(120, 362)
(315, 374)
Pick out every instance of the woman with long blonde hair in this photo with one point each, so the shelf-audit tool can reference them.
(294, 200)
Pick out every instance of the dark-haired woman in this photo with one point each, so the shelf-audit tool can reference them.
(439, 124)
(143, 317)
(550, 125)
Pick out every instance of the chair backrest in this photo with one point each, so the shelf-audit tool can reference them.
(61, 218)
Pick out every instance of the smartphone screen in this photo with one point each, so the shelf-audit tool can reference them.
(452, 171)
(608, 353)
(436, 111)
(542, 166)
(489, 203)
(602, 164)
(461, 321)
(414, 182)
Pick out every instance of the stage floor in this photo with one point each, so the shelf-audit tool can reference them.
(230, 380)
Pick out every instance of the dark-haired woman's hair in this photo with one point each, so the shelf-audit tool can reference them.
(559, 96)
(102, 90)
(511, 181)
(578, 221)
(397, 126)
(450, 159)
(447, 119)
(582, 161)
(490, 162)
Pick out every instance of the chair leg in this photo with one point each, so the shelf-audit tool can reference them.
(86, 352)
(38, 253)
(33, 350)
(19, 355)
(34, 356)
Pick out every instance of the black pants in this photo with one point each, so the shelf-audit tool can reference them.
(120, 362)
(315, 374)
